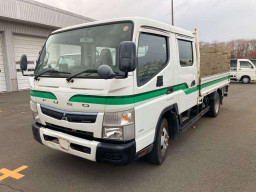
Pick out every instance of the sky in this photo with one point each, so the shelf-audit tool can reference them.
(216, 20)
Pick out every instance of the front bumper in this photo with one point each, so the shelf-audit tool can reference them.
(117, 154)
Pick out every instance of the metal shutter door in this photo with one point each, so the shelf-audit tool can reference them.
(2, 74)
(30, 46)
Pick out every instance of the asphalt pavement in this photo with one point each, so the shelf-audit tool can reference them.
(219, 154)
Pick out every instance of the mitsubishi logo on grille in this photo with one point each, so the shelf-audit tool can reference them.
(64, 117)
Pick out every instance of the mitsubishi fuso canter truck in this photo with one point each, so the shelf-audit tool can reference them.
(116, 90)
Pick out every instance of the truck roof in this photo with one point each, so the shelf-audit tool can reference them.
(138, 21)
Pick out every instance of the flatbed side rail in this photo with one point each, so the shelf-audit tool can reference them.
(212, 83)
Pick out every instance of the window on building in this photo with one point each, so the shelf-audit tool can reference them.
(152, 56)
(185, 53)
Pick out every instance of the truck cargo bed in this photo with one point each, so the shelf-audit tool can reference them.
(211, 83)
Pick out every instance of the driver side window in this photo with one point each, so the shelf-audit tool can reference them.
(152, 56)
(245, 65)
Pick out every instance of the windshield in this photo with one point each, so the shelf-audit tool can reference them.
(82, 49)
(254, 62)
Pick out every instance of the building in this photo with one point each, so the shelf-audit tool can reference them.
(24, 28)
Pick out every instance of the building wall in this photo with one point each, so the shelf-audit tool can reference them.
(38, 13)
(8, 29)
(28, 17)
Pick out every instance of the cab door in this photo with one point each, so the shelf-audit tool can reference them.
(246, 68)
(187, 77)
(154, 76)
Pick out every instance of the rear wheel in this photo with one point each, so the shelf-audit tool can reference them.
(245, 80)
(159, 151)
(214, 105)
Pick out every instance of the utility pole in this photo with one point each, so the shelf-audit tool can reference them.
(172, 12)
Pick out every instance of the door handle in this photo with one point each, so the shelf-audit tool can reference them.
(193, 83)
(159, 81)
(169, 90)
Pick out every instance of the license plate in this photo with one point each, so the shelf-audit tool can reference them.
(64, 143)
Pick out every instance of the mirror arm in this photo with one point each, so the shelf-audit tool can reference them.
(25, 75)
(126, 74)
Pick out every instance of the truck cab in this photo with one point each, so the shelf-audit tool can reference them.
(121, 89)
(243, 70)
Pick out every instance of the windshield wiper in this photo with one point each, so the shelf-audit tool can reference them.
(49, 71)
(81, 72)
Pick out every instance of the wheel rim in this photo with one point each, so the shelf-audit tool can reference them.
(164, 141)
(245, 79)
(217, 104)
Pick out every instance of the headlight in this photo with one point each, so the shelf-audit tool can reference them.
(33, 107)
(119, 125)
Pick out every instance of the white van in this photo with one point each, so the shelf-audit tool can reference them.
(118, 110)
(242, 70)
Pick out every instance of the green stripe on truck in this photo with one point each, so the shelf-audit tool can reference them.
(117, 100)
(125, 100)
(214, 82)
(43, 94)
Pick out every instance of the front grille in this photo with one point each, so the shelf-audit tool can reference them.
(76, 133)
(74, 117)
(51, 113)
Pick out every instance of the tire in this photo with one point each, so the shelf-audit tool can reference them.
(214, 105)
(245, 80)
(159, 151)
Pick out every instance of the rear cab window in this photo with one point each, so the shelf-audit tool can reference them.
(233, 64)
(185, 53)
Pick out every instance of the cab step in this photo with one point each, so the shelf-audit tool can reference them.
(192, 121)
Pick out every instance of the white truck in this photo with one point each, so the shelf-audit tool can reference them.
(243, 70)
(136, 86)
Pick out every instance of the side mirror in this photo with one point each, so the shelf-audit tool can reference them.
(105, 72)
(23, 63)
(127, 56)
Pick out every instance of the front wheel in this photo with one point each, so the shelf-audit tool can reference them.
(246, 80)
(159, 151)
